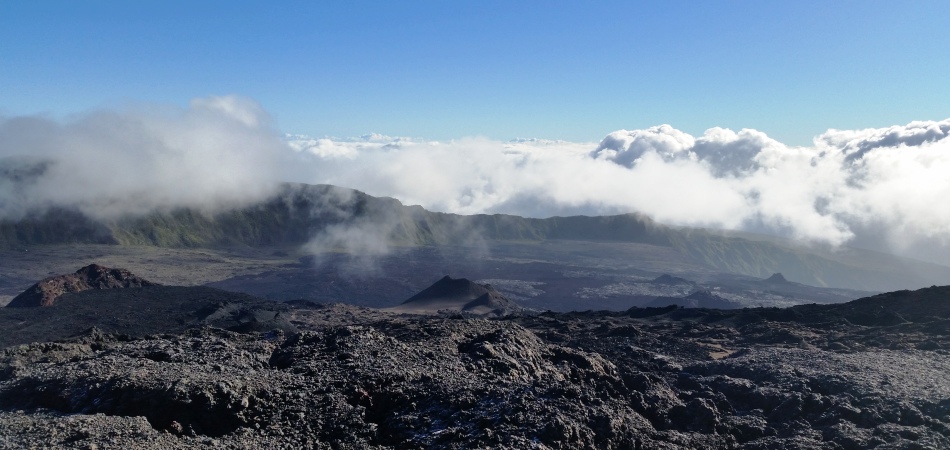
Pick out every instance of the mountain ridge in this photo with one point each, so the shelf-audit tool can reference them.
(300, 213)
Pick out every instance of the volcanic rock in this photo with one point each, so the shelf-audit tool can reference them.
(776, 278)
(670, 280)
(143, 311)
(807, 377)
(93, 276)
(698, 299)
(457, 295)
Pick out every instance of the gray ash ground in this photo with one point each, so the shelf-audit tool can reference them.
(220, 370)
(555, 275)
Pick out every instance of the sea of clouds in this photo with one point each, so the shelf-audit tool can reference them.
(879, 188)
(216, 153)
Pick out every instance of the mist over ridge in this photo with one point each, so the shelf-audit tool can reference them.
(217, 153)
(344, 229)
(877, 188)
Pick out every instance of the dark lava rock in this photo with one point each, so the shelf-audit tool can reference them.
(898, 307)
(143, 311)
(698, 299)
(664, 378)
(670, 280)
(459, 295)
(93, 276)
(776, 278)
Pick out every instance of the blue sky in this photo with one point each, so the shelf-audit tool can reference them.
(500, 69)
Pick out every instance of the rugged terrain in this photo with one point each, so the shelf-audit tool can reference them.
(459, 295)
(93, 276)
(176, 367)
(328, 218)
(551, 275)
(504, 359)
(328, 244)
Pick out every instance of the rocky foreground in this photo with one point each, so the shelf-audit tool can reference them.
(220, 370)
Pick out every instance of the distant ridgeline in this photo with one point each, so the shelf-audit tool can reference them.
(300, 212)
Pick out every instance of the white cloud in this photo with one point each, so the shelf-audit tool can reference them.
(884, 188)
(892, 180)
(855, 143)
(231, 107)
(626, 147)
(216, 153)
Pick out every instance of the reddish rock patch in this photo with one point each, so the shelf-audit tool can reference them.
(92, 276)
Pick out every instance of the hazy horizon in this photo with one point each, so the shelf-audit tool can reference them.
(874, 188)
(825, 123)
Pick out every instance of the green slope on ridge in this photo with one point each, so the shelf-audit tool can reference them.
(300, 213)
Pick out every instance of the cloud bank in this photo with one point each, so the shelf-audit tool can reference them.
(880, 188)
(216, 153)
